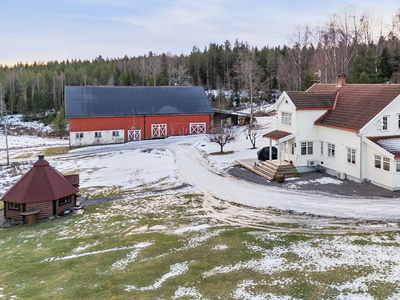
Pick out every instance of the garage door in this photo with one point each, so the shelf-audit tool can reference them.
(134, 135)
(158, 130)
(196, 128)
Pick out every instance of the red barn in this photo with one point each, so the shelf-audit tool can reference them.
(42, 191)
(108, 115)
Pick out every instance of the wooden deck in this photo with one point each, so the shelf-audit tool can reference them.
(269, 169)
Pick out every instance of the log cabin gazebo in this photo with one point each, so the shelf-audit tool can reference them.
(42, 192)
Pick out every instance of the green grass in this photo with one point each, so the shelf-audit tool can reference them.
(222, 153)
(28, 272)
(56, 151)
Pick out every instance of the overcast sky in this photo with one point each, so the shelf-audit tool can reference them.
(43, 30)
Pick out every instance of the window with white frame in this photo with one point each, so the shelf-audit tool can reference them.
(397, 164)
(382, 163)
(115, 133)
(331, 150)
(378, 161)
(385, 123)
(322, 148)
(293, 145)
(79, 135)
(97, 134)
(398, 121)
(351, 156)
(386, 164)
(307, 148)
(286, 118)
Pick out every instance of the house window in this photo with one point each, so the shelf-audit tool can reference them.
(13, 206)
(307, 148)
(398, 121)
(64, 201)
(293, 145)
(385, 122)
(97, 134)
(79, 135)
(351, 156)
(382, 163)
(286, 118)
(331, 150)
(397, 164)
(115, 133)
(386, 164)
(322, 148)
(378, 161)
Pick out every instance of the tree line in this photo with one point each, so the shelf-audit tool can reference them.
(347, 43)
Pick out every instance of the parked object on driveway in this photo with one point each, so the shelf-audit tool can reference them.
(263, 154)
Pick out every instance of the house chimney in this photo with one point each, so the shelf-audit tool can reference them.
(41, 157)
(341, 80)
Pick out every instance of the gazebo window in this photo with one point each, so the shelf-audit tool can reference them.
(64, 201)
(13, 206)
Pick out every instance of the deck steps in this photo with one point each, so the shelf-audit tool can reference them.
(269, 169)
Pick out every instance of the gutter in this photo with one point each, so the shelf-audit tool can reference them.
(360, 135)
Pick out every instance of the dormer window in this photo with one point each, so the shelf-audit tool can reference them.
(385, 123)
(286, 118)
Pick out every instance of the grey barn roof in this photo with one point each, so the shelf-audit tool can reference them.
(110, 101)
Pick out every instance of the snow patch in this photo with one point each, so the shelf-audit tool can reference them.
(190, 292)
(121, 264)
(220, 247)
(175, 270)
(192, 228)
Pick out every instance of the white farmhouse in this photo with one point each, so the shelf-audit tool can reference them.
(350, 130)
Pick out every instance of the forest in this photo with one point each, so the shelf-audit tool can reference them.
(348, 43)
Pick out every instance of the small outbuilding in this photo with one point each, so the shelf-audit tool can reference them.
(42, 192)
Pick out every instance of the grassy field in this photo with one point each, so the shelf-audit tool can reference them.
(176, 247)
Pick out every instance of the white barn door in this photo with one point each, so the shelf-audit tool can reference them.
(196, 128)
(134, 135)
(158, 130)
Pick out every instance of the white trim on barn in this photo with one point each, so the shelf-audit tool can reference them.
(134, 135)
(197, 128)
(158, 130)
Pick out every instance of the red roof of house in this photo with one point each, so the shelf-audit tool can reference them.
(311, 100)
(390, 143)
(356, 104)
(40, 184)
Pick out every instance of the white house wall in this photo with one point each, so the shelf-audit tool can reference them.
(388, 179)
(306, 131)
(289, 108)
(90, 139)
(342, 140)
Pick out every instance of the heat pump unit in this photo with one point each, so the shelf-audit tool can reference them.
(311, 163)
(341, 175)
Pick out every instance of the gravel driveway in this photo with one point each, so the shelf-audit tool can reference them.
(308, 182)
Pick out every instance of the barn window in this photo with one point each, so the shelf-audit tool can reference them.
(115, 133)
(64, 200)
(13, 206)
(79, 135)
(97, 134)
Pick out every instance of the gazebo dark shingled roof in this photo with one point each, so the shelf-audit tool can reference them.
(40, 184)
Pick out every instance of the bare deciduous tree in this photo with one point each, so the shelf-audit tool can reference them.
(179, 75)
(249, 73)
(155, 64)
(252, 134)
(222, 136)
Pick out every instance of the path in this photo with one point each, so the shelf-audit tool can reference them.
(196, 171)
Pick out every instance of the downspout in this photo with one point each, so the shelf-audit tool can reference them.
(361, 155)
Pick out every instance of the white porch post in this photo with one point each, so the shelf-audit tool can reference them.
(270, 149)
(280, 154)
